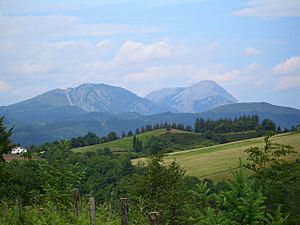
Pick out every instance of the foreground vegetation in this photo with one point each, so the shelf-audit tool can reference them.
(39, 191)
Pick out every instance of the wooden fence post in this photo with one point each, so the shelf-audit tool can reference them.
(92, 210)
(4, 208)
(17, 210)
(124, 211)
(76, 202)
(154, 218)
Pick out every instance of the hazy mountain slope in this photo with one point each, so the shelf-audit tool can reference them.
(196, 98)
(164, 96)
(88, 97)
(106, 98)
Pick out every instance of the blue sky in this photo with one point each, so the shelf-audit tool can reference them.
(250, 47)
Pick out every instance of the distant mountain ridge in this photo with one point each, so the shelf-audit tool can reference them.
(199, 97)
(100, 108)
(111, 99)
(91, 98)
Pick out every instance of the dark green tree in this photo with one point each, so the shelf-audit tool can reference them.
(197, 126)
(189, 128)
(270, 155)
(5, 142)
(268, 125)
(112, 136)
(129, 134)
(239, 203)
(276, 177)
(134, 142)
(139, 145)
(162, 189)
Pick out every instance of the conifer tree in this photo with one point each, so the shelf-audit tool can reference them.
(5, 143)
(134, 142)
(129, 134)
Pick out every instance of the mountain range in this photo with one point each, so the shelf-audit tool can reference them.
(101, 108)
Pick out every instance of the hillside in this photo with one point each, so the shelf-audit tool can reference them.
(284, 117)
(123, 144)
(214, 162)
(182, 140)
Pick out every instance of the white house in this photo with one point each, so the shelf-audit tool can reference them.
(18, 150)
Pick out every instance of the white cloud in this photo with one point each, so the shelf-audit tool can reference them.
(35, 27)
(290, 66)
(290, 74)
(30, 68)
(136, 51)
(104, 45)
(69, 63)
(134, 55)
(4, 86)
(250, 51)
(270, 8)
(253, 67)
(212, 46)
(224, 76)
(153, 78)
(289, 82)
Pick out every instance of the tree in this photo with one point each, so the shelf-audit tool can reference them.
(270, 155)
(162, 188)
(189, 128)
(129, 134)
(276, 177)
(139, 145)
(134, 142)
(268, 125)
(5, 143)
(123, 134)
(197, 126)
(239, 203)
(112, 136)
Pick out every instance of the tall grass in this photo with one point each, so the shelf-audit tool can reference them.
(50, 214)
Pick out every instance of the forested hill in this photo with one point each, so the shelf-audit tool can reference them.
(41, 126)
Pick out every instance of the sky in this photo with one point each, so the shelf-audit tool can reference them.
(249, 47)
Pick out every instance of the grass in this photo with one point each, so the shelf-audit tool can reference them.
(125, 144)
(214, 162)
(169, 140)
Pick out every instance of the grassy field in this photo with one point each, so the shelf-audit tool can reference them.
(215, 162)
(125, 144)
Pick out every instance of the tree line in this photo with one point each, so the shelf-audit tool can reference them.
(223, 125)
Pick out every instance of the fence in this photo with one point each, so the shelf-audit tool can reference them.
(124, 213)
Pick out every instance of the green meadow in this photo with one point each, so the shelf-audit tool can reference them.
(216, 162)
